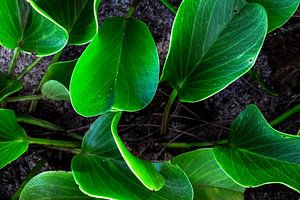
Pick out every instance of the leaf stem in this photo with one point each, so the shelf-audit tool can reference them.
(285, 115)
(182, 145)
(169, 6)
(132, 9)
(165, 118)
(12, 64)
(23, 98)
(37, 168)
(26, 119)
(54, 60)
(55, 143)
(28, 68)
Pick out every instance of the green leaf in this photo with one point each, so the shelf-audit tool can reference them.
(29, 30)
(13, 139)
(208, 179)
(8, 86)
(78, 17)
(145, 171)
(279, 11)
(54, 90)
(61, 72)
(117, 71)
(257, 154)
(53, 185)
(101, 172)
(213, 43)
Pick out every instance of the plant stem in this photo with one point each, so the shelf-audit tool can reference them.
(132, 9)
(23, 98)
(28, 68)
(12, 64)
(55, 143)
(37, 168)
(54, 60)
(165, 119)
(285, 115)
(170, 7)
(182, 145)
(26, 119)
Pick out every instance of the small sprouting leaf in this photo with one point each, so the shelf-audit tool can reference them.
(145, 171)
(257, 154)
(117, 71)
(54, 90)
(208, 179)
(61, 72)
(279, 11)
(29, 30)
(78, 17)
(13, 139)
(8, 86)
(101, 172)
(213, 43)
(53, 185)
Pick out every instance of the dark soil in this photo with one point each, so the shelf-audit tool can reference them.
(278, 63)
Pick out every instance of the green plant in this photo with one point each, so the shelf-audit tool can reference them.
(213, 44)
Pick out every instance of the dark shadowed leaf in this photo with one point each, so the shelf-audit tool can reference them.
(117, 71)
(13, 139)
(54, 90)
(78, 17)
(257, 154)
(29, 30)
(208, 179)
(8, 86)
(101, 171)
(213, 43)
(52, 185)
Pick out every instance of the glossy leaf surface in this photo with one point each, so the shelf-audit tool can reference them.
(54, 90)
(13, 139)
(101, 171)
(8, 86)
(78, 17)
(117, 71)
(208, 179)
(61, 72)
(24, 28)
(257, 154)
(213, 43)
(52, 185)
(279, 11)
(145, 171)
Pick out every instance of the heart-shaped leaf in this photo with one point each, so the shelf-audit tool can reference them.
(145, 171)
(208, 179)
(213, 43)
(8, 86)
(101, 172)
(53, 185)
(257, 154)
(54, 90)
(78, 17)
(13, 139)
(61, 72)
(117, 71)
(29, 30)
(279, 11)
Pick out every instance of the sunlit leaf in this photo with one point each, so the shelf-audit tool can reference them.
(118, 70)
(213, 43)
(54, 90)
(13, 139)
(29, 30)
(257, 154)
